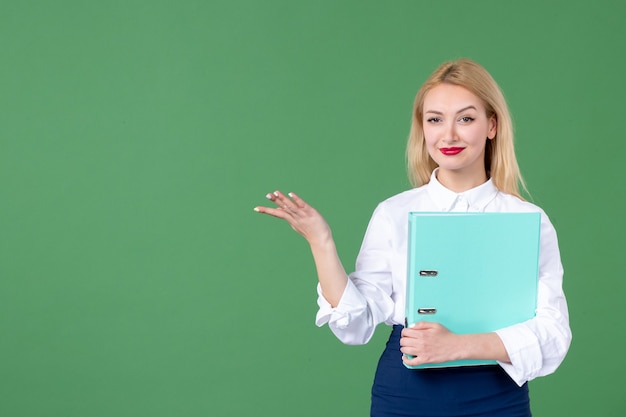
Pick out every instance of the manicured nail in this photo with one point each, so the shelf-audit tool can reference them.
(276, 193)
(256, 209)
(268, 196)
(290, 195)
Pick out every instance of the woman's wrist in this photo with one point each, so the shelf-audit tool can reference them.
(322, 243)
(482, 346)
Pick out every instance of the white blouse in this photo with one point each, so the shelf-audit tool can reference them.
(376, 290)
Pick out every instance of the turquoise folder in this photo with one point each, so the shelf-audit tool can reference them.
(472, 272)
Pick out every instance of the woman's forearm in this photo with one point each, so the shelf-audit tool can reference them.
(330, 271)
(484, 346)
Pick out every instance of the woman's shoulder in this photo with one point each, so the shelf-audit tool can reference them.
(515, 203)
(511, 203)
(396, 206)
(406, 197)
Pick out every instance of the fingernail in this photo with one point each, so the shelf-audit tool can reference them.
(268, 196)
(256, 209)
(290, 195)
(276, 193)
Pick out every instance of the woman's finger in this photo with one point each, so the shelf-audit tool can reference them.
(284, 202)
(285, 207)
(281, 198)
(297, 200)
(275, 212)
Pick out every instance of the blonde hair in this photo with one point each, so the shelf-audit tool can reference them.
(500, 162)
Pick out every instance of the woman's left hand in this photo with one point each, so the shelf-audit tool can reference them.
(429, 342)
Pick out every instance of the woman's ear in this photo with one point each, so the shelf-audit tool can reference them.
(493, 127)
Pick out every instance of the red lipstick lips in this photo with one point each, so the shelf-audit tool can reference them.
(451, 151)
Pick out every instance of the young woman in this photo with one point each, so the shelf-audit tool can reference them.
(461, 158)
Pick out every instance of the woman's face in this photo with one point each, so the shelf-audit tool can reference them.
(456, 130)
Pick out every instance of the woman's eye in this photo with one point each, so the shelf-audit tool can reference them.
(433, 120)
(466, 119)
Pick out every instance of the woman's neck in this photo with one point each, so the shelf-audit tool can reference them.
(460, 182)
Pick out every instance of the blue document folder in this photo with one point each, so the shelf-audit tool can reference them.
(472, 272)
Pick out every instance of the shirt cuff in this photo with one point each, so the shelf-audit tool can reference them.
(524, 353)
(351, 302)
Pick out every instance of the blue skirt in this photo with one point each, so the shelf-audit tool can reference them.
(443, 392)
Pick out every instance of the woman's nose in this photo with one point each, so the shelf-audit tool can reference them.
(450, 133)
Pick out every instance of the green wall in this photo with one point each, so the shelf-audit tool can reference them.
(137, 136)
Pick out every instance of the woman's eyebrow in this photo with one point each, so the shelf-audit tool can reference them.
(470, 107)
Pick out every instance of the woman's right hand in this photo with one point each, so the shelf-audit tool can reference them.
(303, 218)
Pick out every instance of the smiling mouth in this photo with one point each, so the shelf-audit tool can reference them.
(451, 151)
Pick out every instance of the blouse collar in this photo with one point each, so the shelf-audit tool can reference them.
(477, 198)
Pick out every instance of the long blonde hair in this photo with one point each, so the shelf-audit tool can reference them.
(500, 162)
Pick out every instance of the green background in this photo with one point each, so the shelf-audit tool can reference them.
(137, 136)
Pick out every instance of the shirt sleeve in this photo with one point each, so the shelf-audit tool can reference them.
(538, 346)
(367, 299)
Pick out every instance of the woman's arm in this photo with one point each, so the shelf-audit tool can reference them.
(538, 346)
(305, 220)
(351, 306)
(429, 342)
